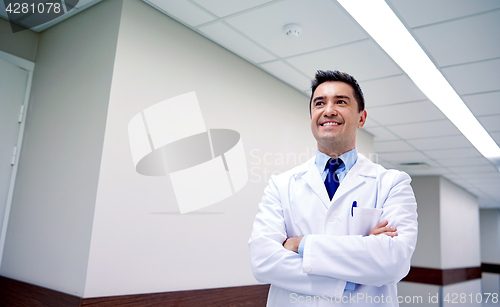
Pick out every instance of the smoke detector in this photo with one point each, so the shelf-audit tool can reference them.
(292, 30)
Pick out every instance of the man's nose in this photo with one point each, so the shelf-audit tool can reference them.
(330, 109)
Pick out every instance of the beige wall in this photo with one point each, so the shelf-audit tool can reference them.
(83, 221)
(140, 243)
(48, 237)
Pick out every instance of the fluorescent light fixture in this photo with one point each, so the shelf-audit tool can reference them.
(377, 18)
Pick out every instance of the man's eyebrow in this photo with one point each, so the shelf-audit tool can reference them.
(336, 97)
(342, 96)
(318, 98)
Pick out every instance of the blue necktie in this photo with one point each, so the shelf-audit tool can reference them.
(331, 180)
(332, 184)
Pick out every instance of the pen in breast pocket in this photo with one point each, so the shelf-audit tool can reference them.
(354, 204)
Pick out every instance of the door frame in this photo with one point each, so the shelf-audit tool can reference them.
(29, 67)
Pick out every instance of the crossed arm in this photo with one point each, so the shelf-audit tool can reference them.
(383, 259)
(292, 244)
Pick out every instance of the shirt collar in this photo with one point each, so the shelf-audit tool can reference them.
(349, 158)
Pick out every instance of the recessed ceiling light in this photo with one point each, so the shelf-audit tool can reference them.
(377, 18)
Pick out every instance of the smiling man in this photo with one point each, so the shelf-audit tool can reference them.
(339, 229)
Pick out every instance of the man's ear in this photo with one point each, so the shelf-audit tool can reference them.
(362, 118)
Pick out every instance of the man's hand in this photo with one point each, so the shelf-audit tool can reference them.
(381, 228)
(292, 244)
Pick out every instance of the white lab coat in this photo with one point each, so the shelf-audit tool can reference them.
(296, 203)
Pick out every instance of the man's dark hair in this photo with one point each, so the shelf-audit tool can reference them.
(335, 75)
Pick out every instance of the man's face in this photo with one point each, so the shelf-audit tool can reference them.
(335, 117)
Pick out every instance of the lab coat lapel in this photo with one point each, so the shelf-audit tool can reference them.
(313, 179)
(355, 177)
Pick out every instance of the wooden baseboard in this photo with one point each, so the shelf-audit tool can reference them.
(251, 296)
(15, 293)
(442, 277)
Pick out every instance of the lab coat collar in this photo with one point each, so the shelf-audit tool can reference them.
(362, 169)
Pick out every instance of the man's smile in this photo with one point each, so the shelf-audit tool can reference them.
(330, 123)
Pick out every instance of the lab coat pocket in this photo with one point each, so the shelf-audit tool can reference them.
(363, 220)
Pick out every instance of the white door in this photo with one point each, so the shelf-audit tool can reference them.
(14, 84)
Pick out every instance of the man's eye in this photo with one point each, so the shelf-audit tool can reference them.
(341, 102)
(318, 103)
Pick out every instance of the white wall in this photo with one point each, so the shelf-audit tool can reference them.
(428, 251)
(490, 235)
(140, 243)
(364, 145)
(490, 247)
(448, 237)
(460, 238)
(48, 237)
(448, 230)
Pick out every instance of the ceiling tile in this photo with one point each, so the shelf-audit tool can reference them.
(467, 169)
(184, 11)
(484, 103)
(324, 24)
(390, 90)
(381, 134)
(431, 163)
(462, 41)
(475, 77)
(473, 190)
(492, 192)
(438, 171)
(455, 179)
(486, 178)
(488, 203)
(392, 146)
(288, 74)
(364, 60)
(455, 141)
(400, 157)
(223, 8)
(424, 130)
(421, 12)
(490, 123)
(454, 153)
(461, 180)
(410, 112)
(230, 39)
(490, 185)
(451, 162)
